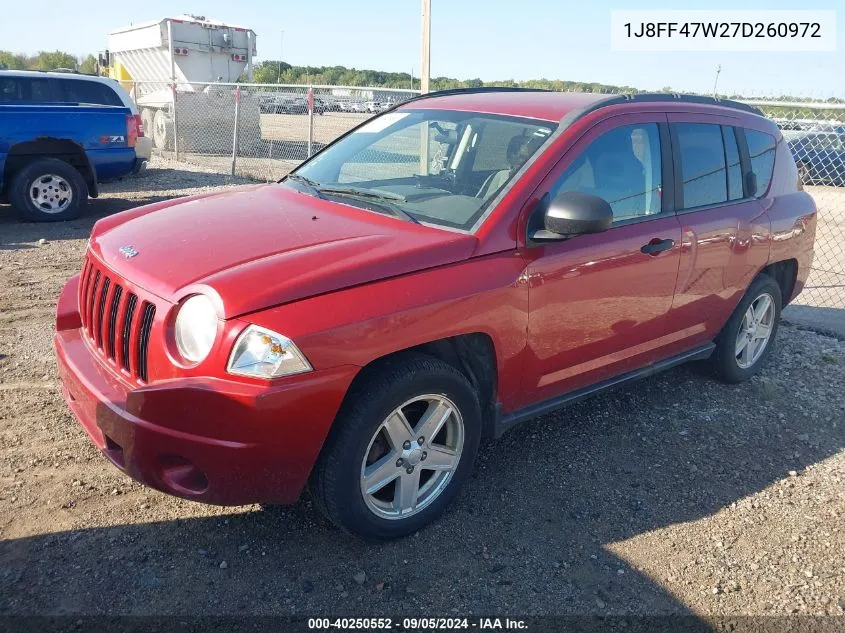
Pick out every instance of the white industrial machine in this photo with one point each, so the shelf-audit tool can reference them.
(176, 69)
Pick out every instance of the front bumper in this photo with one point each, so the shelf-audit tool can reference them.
(209, 439)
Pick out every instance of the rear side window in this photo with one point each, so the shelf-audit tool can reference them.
(734, 165)
(24, 89)
(81, 91)
(10, 90)
(702, 164)
(761, 151)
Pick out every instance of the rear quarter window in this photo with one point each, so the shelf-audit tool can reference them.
(761, 151)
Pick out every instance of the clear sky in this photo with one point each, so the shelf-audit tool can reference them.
(488, 39)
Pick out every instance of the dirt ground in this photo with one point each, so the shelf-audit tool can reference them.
(677, 494)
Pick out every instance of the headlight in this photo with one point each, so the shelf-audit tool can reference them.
(262, 353)
(196, 328)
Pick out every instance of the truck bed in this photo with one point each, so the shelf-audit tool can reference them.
(100, 131)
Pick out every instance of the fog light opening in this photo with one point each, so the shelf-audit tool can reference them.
(180, 475)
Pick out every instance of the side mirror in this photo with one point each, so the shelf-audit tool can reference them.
(572, 213)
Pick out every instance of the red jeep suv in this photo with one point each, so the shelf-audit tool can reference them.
(463, 262)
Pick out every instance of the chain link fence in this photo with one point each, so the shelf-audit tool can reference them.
(262, 131)
(815, 132)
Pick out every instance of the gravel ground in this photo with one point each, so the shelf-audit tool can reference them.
(678, 494)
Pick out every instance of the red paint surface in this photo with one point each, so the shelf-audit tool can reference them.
(352, 286)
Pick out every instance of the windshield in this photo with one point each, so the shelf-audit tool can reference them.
(435, 166)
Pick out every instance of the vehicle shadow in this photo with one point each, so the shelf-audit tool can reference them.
(830, 321)
(16, 234)
(533, 533)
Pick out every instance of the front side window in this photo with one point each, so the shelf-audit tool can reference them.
(623, 167)
(441, 167)
(702, 162)
(761, 151)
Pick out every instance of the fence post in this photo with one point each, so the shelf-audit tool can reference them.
(310, 120)
(235, 134)
(175, 124)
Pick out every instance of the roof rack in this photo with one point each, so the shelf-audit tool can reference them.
(679, 98)
(609, 99)
(466, 91)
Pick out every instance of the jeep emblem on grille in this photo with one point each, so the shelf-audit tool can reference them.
(128, 251)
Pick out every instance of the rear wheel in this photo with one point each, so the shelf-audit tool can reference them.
(148, 121)
(163, 132)
(804, 175)
(747, 339)
(48, 190)
(401, 448)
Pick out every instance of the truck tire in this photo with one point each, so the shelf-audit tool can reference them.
(148, 121)
(163, 130)
(401, 447)
(48, 190)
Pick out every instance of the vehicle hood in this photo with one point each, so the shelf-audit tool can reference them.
(261, 246)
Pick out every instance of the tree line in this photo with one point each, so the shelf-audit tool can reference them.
(47, 60)
(280, 72)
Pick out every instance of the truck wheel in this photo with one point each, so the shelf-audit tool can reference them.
(148, 121)
(400, 449)
(804, 174)
(162, 130)
(48, 190)
(747, 339)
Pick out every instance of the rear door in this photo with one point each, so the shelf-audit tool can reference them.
(723, 225)
(599, 304)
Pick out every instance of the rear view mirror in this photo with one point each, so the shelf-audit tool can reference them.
(572, 213)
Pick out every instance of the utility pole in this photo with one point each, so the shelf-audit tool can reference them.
(718, 70)
(425, 52)
(281, 48)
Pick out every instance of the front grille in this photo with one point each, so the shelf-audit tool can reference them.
(115, 320)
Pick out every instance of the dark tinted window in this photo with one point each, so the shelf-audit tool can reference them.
(761, 150)
(623, 167)
(734, 167)
(702, 157)
(81, 91)
(18, 89)
(10, 90)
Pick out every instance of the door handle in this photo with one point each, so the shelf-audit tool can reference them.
(657, 246)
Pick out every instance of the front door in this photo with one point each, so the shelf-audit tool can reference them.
(599, 304)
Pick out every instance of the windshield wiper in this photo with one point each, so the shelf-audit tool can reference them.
(386, 199)
(312, 185)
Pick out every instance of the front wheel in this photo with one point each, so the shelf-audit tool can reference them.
(401, 448)
(747, 339)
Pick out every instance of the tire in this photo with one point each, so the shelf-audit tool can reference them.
(726, 362)
(804, 174)
(163, 130)
(41, 178)
(148, 121)
(357, 440)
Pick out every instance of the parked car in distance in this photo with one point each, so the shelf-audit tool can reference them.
(820, 157)
(468, 261)
(29, 86)
(52, 157)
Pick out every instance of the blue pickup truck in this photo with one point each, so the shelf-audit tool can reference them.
(53, 156)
